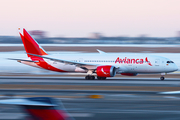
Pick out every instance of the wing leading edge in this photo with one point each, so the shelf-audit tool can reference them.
(87, 66)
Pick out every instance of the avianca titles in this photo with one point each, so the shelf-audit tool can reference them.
(103, 64)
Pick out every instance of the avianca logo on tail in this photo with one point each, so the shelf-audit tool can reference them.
(133, 61)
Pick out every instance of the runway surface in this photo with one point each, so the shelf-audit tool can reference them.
(78, 83)
(123, 98)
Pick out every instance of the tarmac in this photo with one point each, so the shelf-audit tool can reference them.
(123, 98)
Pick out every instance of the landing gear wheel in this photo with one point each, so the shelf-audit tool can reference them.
(89, 77)
(162, 78)
(92, 77)
(101, 78)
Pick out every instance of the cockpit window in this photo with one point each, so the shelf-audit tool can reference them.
(170, 62)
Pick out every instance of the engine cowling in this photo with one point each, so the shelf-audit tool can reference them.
(129, 74)
(106, 71)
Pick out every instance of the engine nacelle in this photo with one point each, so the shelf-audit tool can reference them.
(106, 71)
(129, 74)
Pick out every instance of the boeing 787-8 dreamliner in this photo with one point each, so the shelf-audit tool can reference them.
(103, 64)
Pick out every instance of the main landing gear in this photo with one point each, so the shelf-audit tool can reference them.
(101, 78)
(90, 77)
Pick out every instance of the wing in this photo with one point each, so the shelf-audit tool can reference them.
(79, 64)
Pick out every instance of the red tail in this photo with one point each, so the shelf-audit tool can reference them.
(30, 44)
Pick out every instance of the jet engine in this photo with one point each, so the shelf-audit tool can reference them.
(106, 71)
(129, 74)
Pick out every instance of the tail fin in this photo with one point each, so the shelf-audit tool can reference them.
(30, 44)
(41, 108)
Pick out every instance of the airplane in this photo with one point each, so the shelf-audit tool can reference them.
(40, 108)
(102, 64)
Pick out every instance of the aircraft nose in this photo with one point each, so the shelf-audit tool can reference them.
(175, 67)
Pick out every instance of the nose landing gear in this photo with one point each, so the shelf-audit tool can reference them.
(162, 76)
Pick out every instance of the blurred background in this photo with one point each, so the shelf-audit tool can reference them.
(92, 21)
(74, 26)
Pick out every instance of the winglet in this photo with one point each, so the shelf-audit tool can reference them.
(101, 52)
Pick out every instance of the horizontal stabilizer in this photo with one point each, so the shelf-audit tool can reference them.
(19, 60)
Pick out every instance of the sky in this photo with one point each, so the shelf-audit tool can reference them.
(79, 18)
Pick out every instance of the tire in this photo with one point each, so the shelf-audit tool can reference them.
(92, 77)
(162, 78)
(104, 78)
(101, 78)
(87, 77)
